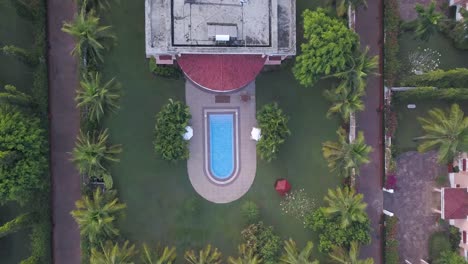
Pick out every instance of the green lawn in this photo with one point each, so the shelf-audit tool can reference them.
(17, 31)
(162, 205)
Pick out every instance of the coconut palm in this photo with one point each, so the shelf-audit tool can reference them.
(97, 98)
(341, 6)
(246, 256)
(89, 35)
(351, 256)
(95, 4)
(344, 102)
(111, 253)
(91, 153)
(445, 130)
(427, 21)
(96, 215)
(346, 205)
(12, 96)
(159, 255)
(293, 256)
(208, 255)
(344, 157)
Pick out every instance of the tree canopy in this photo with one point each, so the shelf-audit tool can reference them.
(328, 46)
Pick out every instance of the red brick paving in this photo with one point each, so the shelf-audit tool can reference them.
(64, 126)
(221, 72)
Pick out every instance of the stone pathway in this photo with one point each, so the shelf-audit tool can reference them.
(199, 99)
(64, 126)
(412, 203)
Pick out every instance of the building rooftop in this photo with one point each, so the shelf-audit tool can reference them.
(455, 203)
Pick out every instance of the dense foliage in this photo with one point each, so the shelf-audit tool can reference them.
(250, 212)
(332, 234)
(16, 224)
(171, 122)
(391, 44)
(207, 255)
(113, 253)
(450, 257)
(428, 20)
(438, 244)
(23, 152)
(294, 255)
(273, 124)
(264, 242)
(391, 255)
(431, 93)
(168, 71)
(21, 54)
(441, 79)
(328, 46)
(345, 206)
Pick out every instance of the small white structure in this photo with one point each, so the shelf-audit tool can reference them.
(222, 38)
(411, 106)
(256, 133)
(188, 133)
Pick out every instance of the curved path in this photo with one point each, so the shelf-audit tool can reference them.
(64, 126)
(369, 26)
(198, 100)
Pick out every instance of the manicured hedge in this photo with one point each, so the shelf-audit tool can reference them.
(439, 78)
(391, 46)
(429, 93)
(391, 242)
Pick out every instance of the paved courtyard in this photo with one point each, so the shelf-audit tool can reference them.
(412, 203)
(199, 99)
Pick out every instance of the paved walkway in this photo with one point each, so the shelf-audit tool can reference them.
(412, 203)
(199, 99)
(64, 126)
(369, 26)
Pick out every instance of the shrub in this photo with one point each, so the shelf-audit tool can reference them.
(332, 234)
(23, 55)
(273, 123)
(450, 257)
(20, 222)
(430, 93)
(391, 45)
(250, 212)
(168, 71)
(439, 78)
(391, 243)
(297, 204)
(454, 234)
(170, 127)
(439, 242)
(442, 180)
(263, 241)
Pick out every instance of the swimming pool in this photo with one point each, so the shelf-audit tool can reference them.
(220, 145)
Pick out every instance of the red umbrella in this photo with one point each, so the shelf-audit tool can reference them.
(282, 186)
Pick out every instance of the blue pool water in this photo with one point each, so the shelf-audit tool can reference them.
(221, 145)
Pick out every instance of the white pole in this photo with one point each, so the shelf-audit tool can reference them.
(388, 190)
(388, 213)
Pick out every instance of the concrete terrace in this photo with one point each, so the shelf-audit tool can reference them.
(199, 99)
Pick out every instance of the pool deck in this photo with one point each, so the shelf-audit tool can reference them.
(199, 99)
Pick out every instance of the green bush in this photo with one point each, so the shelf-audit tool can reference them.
(439, 78)
(391, 45)
(168, 71)
(442, 180)
(454, 235)
(263, 241)
(439, 242)
(250, 212)
(430, 93)
(170, 128)
(332, 234)
(450, 257)
(21, 54)
(18, 223)
(273, 124)
(391, 243)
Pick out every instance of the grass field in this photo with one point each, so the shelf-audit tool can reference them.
(17, 31)
(162, 205)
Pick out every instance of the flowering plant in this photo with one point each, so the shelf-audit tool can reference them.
(424, 60)
(298, 204)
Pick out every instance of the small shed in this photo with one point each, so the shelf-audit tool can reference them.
(282, 186)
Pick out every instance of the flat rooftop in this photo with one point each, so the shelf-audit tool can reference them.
(266, 27)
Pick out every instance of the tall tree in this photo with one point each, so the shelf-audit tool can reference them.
(13, 97)
(113, 254)
(346, 205)
(208, 255)
(23, 55)
(159, 255)
(97, 98)
(344, 102)
(344, 157)
(293, 256)
(22, 221)
(351, 256)
(328, 45)
(246, 256)
(96, 215)
(341, 6)
(445, 130)
(89, 35)
(427, 21)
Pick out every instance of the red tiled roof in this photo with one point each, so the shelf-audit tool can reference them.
(221, 72)
(455, 203)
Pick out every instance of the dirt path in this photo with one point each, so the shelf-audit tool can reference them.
(369, 26)
(64, 126)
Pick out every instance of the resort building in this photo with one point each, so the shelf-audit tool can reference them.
(454, 201)
(458, 4)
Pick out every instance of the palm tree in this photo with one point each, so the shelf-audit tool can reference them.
(95, 4)
(14, 97)
(113, 254)
(344, 157)
(427, 21)
(160, 255)
(344, 102)
(341, 6)
(208, 255)
(91, 152)
(447, 131)
(346, 205)
(97, 98)
(96, 216)
(89, 35)
(351, 256)
(294, 256)
(246, 256)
